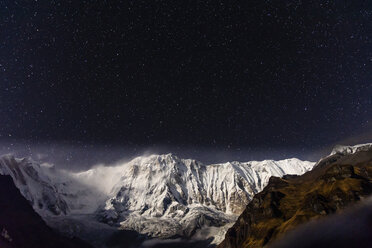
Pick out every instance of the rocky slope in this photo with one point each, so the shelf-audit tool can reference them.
(158, 195)
(22, 227)
(337, 181)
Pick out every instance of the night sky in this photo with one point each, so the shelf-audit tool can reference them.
(268, 75)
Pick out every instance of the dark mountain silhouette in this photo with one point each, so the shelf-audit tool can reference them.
(22, 227)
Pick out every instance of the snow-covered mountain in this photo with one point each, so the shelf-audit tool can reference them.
(157, 195)
(182, 195)
(341, 149)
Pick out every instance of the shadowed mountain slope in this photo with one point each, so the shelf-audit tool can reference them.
(21, 226)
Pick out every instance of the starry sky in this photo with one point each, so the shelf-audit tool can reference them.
(260, 75)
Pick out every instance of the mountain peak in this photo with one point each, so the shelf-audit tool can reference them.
(344, 149)
(168, 156)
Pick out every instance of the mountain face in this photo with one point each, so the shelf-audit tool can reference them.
(22, 227)
(164, 196)
(159, 195)
(337, 181)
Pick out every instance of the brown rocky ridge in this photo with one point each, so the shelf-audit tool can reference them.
(336, 182)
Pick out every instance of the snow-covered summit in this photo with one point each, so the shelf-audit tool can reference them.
(340, 149)
(181, 194)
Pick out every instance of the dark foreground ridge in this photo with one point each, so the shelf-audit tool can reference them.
(336, 182)
(21, 226)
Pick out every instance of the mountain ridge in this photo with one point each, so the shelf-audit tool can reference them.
(158, 195)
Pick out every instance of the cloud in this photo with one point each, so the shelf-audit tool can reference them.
(351, 228)
(153, 242)
(41, 156)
